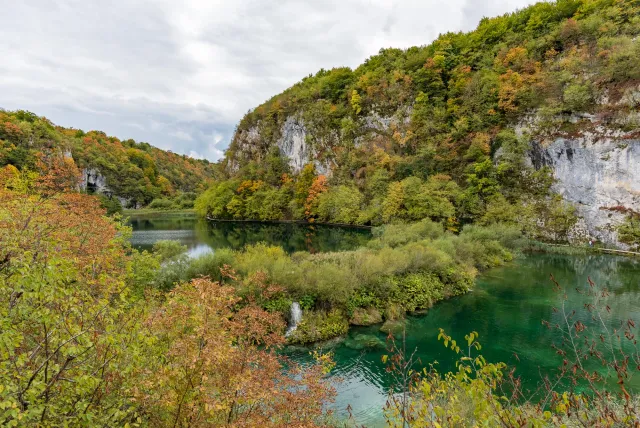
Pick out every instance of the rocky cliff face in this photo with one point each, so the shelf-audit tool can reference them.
(300, 144)
(293, 145)
(93, 181)
(600, 175)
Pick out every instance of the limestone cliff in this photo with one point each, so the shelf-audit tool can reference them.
(92, 181)
(599, 175)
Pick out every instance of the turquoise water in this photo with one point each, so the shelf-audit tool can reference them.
(506, 307)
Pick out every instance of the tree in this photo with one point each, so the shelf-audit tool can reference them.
(318, 187)
(67, 322)
(221, 366)
(629, 231)
(340, 204)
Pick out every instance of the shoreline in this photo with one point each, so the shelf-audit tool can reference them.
(539, 246)
(300, 222)
(152, 211)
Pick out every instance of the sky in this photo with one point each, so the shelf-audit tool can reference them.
(181, 74)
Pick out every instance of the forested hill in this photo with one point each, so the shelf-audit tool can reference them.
(134, 173)
(472, 127)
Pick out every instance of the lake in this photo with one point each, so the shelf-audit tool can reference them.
(201, 236)
(506, 307)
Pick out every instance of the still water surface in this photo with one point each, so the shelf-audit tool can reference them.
(506, 307)
(201, 236)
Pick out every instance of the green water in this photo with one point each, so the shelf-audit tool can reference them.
(506, 307)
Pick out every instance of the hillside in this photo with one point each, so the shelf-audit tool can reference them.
(134, 173)
(489, 126)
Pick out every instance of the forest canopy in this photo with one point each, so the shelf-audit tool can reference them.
(134, 171)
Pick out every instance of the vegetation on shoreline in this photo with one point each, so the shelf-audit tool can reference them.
(403, 269)
(436, 131)
(180, 212)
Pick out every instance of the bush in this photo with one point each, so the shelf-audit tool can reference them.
(318, 326)
(629, 231)
(168, 249)
(394, 235)
(161, 204)
(420, 291)
(111, 204)
(210, 264)
(578, 96)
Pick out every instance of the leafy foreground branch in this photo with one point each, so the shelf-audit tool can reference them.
(80, 345)
(590, 388)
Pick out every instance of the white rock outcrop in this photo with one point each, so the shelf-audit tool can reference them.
(93, 181)
(599, 175)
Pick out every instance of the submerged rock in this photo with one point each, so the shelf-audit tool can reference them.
(394, 327)
(365, 316)
(364, 341)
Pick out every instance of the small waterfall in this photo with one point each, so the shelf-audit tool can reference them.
(296, 317)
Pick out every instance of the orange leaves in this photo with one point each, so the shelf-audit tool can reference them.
(58, 174)
(220, 363)
(286, 179)
(250, 186)
(69, 225)
(318, 187)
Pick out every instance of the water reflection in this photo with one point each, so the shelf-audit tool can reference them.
(201, 236)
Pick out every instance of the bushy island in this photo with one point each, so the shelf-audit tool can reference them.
(405, 268)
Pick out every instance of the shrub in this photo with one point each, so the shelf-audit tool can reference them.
(629, 231)
(111, 204)
(161, 204)
(578, 96)
(168, 249)
(318, 326)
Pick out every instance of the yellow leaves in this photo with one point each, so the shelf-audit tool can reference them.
(515, 57)
(250, 186)
(356, 101)
(438, 60)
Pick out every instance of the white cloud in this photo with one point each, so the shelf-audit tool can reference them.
(181, 135)
(177, 73)
(195, 155)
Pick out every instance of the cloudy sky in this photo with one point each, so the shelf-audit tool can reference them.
(181, 74)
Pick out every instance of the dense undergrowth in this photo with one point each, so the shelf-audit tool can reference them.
(403, 269)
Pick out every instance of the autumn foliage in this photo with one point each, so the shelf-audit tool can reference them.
(81, 348)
